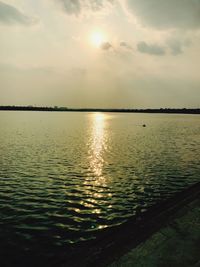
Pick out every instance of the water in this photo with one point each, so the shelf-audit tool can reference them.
(66, 176)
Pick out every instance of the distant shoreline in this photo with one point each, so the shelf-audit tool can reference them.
(65, 109)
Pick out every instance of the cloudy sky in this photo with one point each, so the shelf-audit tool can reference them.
(100, 53)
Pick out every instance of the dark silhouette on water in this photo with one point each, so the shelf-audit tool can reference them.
(65, 109)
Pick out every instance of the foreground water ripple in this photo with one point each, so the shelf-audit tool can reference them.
(66, 176)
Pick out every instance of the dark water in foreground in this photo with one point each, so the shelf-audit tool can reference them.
(66, 176)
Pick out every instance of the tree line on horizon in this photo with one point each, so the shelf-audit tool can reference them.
(125, 110)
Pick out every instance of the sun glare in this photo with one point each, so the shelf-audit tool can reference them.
(97, 39)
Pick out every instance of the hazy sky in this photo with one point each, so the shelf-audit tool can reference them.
(100, 53)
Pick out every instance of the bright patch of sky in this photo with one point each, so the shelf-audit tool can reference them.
(100, 53)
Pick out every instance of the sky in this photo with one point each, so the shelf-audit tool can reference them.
(100, 53)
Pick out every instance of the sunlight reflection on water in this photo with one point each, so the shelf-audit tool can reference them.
(97, 143)
(96, 152)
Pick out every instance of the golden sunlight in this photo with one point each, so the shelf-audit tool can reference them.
(98, 144)
(97, 38)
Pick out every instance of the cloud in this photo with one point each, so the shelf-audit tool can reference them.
(10, 15)
(177, 46)
(117, 48)
(165, 14)
(106, 46)
(71, 7)
(77, 6)
(151, 49)
(125, 45)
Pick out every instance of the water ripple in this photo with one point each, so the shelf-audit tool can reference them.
(62, 182)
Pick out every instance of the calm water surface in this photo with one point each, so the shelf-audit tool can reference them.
(66, 176)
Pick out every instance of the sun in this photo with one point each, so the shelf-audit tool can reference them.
(97, 38)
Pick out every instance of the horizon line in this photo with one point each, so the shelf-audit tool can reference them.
(122, 110)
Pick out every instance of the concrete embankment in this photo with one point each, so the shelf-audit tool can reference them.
(168, 234)
(175, 244)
